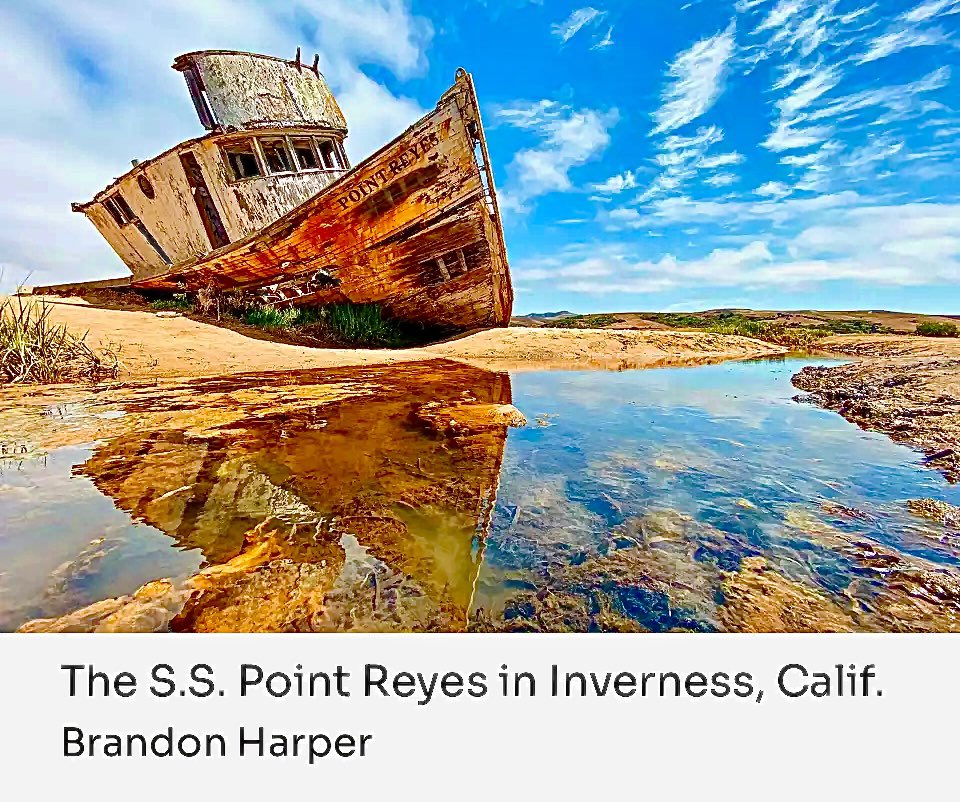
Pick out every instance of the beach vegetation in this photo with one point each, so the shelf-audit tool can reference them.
(937, 328)
(773, 330)
(353, 325)
(585, 322)
(36, 350)
(178, 302)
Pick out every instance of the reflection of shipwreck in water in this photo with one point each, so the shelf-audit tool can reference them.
(267, 201)
(353, 498)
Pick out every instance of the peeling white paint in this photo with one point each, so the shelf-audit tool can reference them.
(247, 91)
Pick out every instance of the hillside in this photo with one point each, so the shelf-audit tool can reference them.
(836, 322)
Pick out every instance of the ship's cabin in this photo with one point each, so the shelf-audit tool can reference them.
(275, 140)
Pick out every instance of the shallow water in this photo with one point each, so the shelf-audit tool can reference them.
(710, 465)
(64, 544)
(394, 498)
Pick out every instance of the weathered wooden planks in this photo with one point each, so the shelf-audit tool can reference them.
(380, 232)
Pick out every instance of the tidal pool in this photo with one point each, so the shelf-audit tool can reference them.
(398, 498)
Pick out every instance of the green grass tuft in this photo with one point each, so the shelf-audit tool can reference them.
(362, 324)
(180, 302)
(269, 317)
(935, 328)
(346, 324)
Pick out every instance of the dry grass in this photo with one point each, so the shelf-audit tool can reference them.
(34, 349)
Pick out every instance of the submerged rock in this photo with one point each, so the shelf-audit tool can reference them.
(68, 579)
(934, 510)
(897, 592)
(836, 510)
(667, 581)
(150, 609)
(759, 599)
(468, 417)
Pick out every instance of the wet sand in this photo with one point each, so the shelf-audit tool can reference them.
(905, 387)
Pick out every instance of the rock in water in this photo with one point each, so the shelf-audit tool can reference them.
(939, 511)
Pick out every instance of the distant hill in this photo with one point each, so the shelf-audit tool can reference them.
(742, 320)
(548, 315)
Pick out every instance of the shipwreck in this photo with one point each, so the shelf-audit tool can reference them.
(267, 202)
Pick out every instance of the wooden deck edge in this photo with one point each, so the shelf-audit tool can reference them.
(78, 286)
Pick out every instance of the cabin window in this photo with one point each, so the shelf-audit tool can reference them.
(115, 212)
(123, 215)
(243, 160)
(119, 209)
(329, 154)
(198, 94)
(286, 154)
(446, 267)
(276, 155)
(146, 187)
(306, 155)
(124, 206)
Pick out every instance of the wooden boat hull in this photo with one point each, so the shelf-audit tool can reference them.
(414, 228)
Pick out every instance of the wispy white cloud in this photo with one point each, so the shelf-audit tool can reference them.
(791, 134)
(577, 21)
(682, 209)
(696, 80)
(893, 41)
(932, 9)
(829, 134)
(819, 80)
(616, 183)
(912, 29)
(605, 42)
(721, 179)
(818, 118)
(790, 131)
(862, 161)
(773, 189)
(799, 28)
(722, 160)
(553, 268)
(682, 158)
(845, 239)
(568, 138)
(900, 101)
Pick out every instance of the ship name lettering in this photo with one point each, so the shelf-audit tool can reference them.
(371, 183)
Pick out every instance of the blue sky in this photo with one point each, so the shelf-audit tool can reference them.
(650, 154)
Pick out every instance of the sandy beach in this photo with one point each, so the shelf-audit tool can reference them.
(159, 346)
